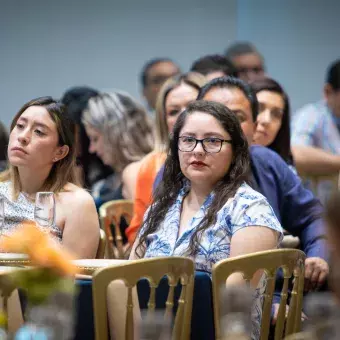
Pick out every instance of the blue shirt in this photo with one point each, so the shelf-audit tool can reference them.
(298, 211)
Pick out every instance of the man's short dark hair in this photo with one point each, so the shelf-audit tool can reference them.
(214, 63)
(148, 66)
(333, 75)
(232, 83)
(239, 48)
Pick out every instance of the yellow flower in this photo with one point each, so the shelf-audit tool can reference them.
(40, 248)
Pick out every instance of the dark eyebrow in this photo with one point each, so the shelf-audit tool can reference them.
(208, 134)
(213, 134)
(42, 125)
(25, 120)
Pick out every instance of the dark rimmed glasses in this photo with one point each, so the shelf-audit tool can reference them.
(209, 144)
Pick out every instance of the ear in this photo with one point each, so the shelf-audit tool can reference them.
(327, 90)
(61, 153)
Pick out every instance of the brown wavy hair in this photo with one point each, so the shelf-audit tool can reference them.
(63, 171)
(173, 178)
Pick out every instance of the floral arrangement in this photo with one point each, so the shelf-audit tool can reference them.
(55, 270)
(50, 287)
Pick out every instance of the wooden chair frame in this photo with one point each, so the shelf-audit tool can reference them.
(292, 263)
(175, 268)
(102, 245)
(111, 213)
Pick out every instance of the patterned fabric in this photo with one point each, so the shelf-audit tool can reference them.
(246, 208)
(20, 210)
(315, 125)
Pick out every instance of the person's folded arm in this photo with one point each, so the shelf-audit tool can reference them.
(315, 161)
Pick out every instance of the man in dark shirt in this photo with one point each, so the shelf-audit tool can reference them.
(295, 207)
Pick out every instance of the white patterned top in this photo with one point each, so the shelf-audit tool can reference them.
(20, 210)
(246, 208)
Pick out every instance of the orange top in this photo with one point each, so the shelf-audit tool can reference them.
(148, 170)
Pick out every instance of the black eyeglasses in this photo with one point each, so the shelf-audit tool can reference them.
(209, 144)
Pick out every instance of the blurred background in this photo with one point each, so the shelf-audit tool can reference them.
(49, 46)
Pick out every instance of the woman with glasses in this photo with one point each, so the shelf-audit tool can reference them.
(203, 208)
(273, 120)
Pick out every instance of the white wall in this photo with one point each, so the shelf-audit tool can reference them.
(299, 39)
(49, 46)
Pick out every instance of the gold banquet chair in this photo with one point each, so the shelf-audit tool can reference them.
(175, 268)
(102, 245)
(292, 263)
(10, 303)
(110, 213)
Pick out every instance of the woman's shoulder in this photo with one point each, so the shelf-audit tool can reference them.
(5, 188)
(153, 159)
(248, 193)
(131, 169)
(75, 195)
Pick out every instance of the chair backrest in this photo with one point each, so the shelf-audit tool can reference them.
(110, 214)
(292, 263)
(177, 269)
(8, 285)
(102, 245)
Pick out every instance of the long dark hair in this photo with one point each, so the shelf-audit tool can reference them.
(281, 143)
(173, 178)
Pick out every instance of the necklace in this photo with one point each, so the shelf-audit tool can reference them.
(29, 197)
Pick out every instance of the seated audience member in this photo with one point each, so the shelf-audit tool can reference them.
(295, 207)
(203, 208)
(154, 73)
(3, 147)
(214, 66)
(247, 59)
(42, 157)
(121, 135)
(94, 171)
(176, 93)
(316, 132)
(273, 119)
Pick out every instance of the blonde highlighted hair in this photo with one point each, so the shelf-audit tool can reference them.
(125, 126)
(193, 79)
(63, 171)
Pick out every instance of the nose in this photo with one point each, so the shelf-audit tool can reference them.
(264, 117)
(24, 137)
(92, 147)
(199, 147)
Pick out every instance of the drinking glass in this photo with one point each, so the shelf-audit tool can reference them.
(44, 211)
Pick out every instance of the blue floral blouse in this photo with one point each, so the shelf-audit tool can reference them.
(246, 208)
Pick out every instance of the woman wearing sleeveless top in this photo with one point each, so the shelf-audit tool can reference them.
(41, 155)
